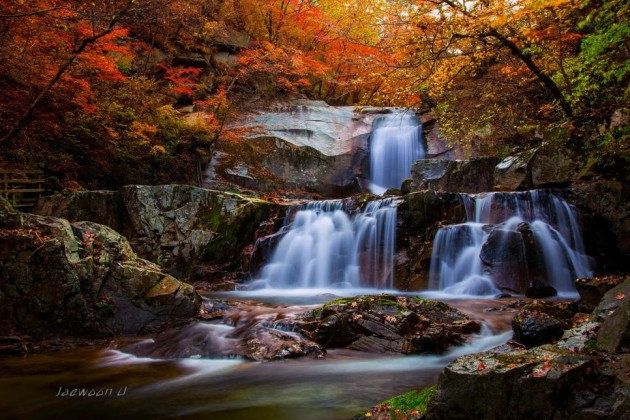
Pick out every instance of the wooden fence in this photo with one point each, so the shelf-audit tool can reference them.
(22, 187)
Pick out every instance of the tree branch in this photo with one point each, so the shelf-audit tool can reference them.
(26, 118)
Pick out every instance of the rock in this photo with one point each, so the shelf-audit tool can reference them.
(541, 322)
(176, 226)
(513, 173)
(301, 145)
(254, 341)
(503, 257)
(572, 378)
(533, 328)
(82, 278)
(388, 323)
(554, 166)
(420, 214)
(464, 176)
(12, 346)
(614, 314)
(264, 343)
(605, 206)
(519, 385)
(103, 207)
(538, 291)
(592, 290)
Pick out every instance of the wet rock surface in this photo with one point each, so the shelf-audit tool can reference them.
(541, 322)
(420, 214)
(388, 323)
(247, 330)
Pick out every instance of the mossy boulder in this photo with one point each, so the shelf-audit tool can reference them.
(387, 323)
(82, 278)
(177, 226)
(410, 405)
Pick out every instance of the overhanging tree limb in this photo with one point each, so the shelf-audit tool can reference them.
(522, 55)
(26, 118)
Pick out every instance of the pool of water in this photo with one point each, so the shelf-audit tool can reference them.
(336, 387)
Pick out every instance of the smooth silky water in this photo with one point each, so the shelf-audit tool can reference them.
(337, 387)
(395, 145)
(456, 264)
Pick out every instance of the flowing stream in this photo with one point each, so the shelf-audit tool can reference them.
(465, 255)
(326, 247)
(395, 145)
(337, 387)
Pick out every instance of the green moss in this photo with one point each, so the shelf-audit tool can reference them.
(590, 345)
(104, 309)
(413, 401)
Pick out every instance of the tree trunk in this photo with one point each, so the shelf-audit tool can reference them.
(544, 79)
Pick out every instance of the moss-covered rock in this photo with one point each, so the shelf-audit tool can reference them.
(82, 278)
(387, 323)
(408, 406)
(176, 226)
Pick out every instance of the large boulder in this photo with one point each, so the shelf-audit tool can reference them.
(562, 380)
(306, 146)
(614, 314)
(518, 385)
(388, 323)
(464, 176)
(82, 278)
(176, 226)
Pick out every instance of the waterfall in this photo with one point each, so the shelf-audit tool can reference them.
(465, 255)
(325, 247)
(396, 143)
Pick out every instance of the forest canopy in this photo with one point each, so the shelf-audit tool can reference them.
(104, 83)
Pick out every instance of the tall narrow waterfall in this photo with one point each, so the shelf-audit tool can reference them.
(491, 250)
(396, 143)
(325, 247)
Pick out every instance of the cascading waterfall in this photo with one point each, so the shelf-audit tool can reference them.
(457, 263)
(396, 143)
(325, 247)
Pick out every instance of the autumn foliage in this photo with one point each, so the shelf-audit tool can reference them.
(102, 92)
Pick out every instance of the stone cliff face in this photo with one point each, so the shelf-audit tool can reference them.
(306, 146)
(179, 227)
